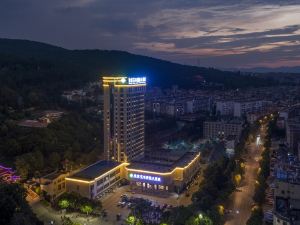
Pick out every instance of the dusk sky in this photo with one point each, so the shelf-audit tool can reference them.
(216, 33)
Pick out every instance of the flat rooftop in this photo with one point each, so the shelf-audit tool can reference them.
(54, 175)
(95, 170)
(163, 161)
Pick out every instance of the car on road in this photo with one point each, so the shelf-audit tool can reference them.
(121, 204)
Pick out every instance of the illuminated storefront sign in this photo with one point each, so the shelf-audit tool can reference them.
(137, 80)
(144, 177)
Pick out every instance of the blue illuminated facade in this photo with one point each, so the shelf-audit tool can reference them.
(137, 80)
(144, 177)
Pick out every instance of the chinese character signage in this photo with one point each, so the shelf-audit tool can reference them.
(144, 177)
(137, 80)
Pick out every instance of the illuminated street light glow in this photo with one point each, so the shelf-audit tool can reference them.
(258, 140)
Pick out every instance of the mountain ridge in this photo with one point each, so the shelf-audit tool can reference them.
(32, 70)
(282, 69)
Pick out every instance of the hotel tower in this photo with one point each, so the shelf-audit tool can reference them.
(123, 117)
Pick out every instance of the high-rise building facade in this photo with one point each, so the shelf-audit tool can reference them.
(124, 116)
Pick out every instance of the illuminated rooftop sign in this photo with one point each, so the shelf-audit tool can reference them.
(144, 177)
(123, 80)
(137, 80)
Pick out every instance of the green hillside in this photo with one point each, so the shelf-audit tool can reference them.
(31, 68)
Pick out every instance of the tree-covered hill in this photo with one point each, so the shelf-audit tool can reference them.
(29, 68)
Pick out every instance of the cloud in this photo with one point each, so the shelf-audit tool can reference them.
(221, 20)
(218, 33)
(171, 48)
(224, 30)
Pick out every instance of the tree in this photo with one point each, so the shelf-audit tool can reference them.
(14, 209)
(13, 147)
(54, 160)
(199, 220)
(86, 208)
(256, 217)
(131, 220)
(180, 215)
(37, 160)
(63, 203)
(22, 167)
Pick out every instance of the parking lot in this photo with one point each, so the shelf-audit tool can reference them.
(114, 204)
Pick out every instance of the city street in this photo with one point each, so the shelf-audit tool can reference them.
(240, 201)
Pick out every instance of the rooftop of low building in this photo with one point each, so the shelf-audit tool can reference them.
(95, 170)
(163, 161)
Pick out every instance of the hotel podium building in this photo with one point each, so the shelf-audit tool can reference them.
(158, 174)
(124, 109)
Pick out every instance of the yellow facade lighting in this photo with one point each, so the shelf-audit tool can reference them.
(112, 78)
(78, 180)
(133, 170)
(102, 175)
(167, 173)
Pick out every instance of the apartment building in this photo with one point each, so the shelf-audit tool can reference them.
(222, 128)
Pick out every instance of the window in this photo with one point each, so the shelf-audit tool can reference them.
(161, 187)
(99, 182)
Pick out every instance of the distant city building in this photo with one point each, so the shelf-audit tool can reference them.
(288, 113)
(175, 108)
(293, 134)
(224, 108)
(179, 105)
(287, 195)
(222, 128)
(198, 103)
(287, 203)
(123, 117)
(46, 118)
(242, 107)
